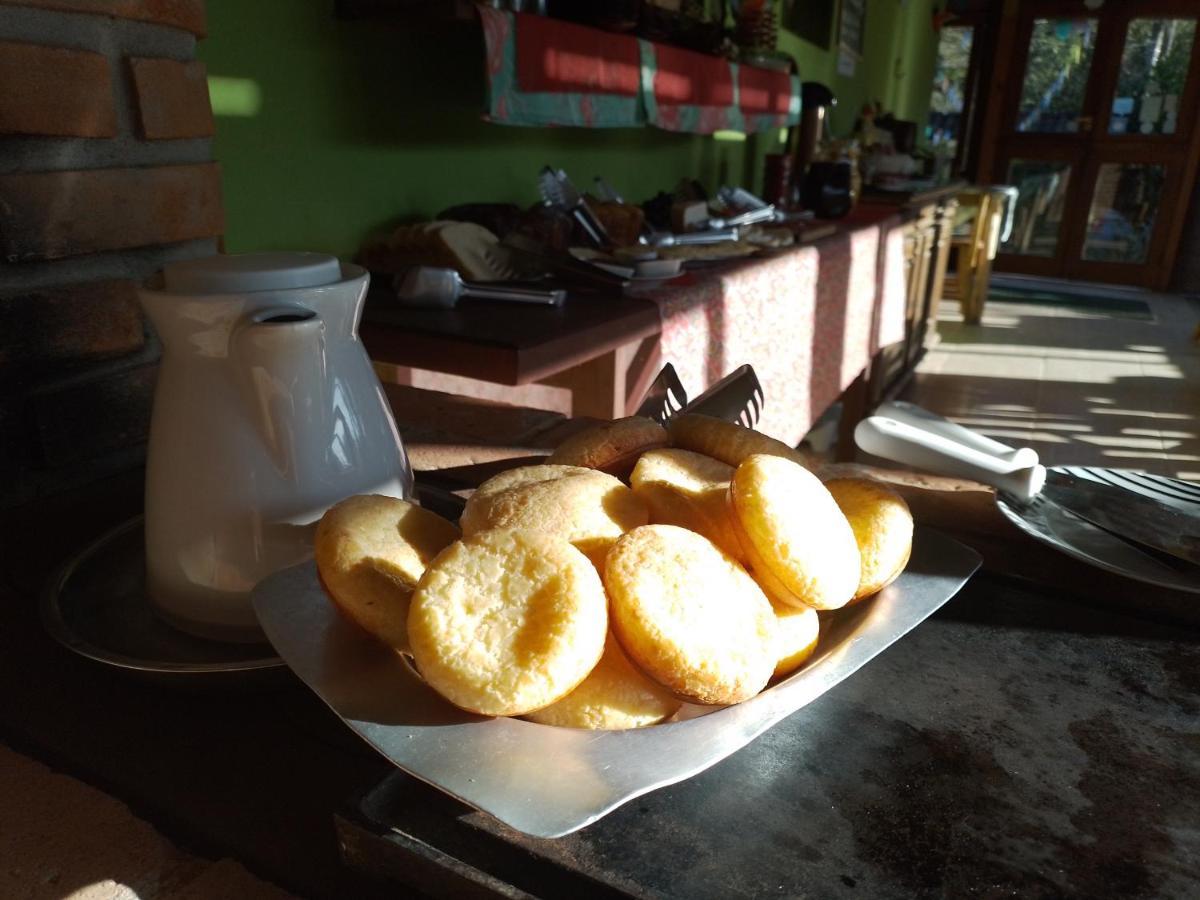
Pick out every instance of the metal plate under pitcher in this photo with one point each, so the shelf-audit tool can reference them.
(267, 412)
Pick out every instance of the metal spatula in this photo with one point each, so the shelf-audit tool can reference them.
(443, 288)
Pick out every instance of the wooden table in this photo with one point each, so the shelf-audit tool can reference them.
(928, 213)
(809, 318)
(588, 345)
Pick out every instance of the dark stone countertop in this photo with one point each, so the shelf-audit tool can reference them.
(1013, 745)
(1016, 744)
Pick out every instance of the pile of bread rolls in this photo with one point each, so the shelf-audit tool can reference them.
(637, 569)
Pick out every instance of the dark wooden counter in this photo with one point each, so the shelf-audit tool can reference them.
(604, 348)
(914, 197)
(503, 342)
(1016, 744)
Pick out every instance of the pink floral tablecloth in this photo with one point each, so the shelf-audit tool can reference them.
(809, 320)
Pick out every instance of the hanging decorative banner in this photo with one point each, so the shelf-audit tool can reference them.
(542, 71)
(768, 99)
(687, 91)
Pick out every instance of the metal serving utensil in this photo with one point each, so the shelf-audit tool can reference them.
(664, 398)
(1088, 517)
(558, 190)
(738, 397)
(662, 239)
(606, 191)
(749, 217)
(443, 288)
(740, 197)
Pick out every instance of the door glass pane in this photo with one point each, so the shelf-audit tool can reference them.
(1121, 217)
(1042, 186)
(1056, 75)
(949, 83)
(1154, 68)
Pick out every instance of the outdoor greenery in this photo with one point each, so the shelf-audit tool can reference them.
(1153, 64)
(1056, 74)
(1153, 68)
(949, 83)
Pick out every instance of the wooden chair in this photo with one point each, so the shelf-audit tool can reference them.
(973, 246)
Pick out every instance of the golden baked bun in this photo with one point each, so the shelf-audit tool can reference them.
(796, 532)
(589, 509)
(689, 490)
(371, 551)
(507, 622)
(615, 695)
(689, 616)
(612, 447)
(729, 443)
(797, 630)
(882, 525)
(780, 595)
(475, 509)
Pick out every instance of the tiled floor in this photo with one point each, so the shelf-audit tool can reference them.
(1080, 386)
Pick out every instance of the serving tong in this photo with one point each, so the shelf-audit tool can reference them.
(1142, 526)
(437, 288)
(557, 190)
(738, 397)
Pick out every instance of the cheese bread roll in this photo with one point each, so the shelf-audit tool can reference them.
(507, 622)
(796, 531)
(725, 441)
(882, 525)
(689, 490)
(371, 551)
(689, 616)
(615, 695)
(591, 510)
(476, 508)
(611, 447)
(796, 637)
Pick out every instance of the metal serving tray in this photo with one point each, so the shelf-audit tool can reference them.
(548, 781)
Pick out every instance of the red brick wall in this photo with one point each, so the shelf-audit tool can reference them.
(106, 173)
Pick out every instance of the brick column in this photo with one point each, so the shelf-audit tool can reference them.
(106, 173)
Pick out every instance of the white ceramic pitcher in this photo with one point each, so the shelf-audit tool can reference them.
(267, 412)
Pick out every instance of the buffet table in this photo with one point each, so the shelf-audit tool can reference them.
(1018, 743)
(809, 319)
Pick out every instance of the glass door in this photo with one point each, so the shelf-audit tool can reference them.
(1097, 139)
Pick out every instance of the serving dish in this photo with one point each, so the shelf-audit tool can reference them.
(547, 781)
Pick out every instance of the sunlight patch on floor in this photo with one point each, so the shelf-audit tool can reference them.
(1080, 386)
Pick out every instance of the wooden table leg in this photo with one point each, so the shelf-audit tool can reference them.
(611, 385)
(855, 406)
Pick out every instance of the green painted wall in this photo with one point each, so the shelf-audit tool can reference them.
(896, 68)
(359, 125)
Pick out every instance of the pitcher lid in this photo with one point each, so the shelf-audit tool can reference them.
(240, 272)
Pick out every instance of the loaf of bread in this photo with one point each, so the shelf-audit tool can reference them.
(622, 221)
(468, 248)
